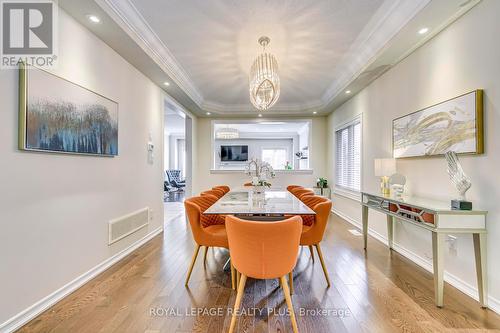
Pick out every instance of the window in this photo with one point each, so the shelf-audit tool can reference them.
(277, 157)
(348, 156)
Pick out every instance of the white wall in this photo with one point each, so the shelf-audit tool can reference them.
(54, 208)
(464, 57)
(206, 179)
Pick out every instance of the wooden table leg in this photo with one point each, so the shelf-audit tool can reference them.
(390, 230)
(482, 274)
(437, 258)
(364, 214)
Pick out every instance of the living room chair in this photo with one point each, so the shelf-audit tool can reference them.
(276, 256)
(174, 178)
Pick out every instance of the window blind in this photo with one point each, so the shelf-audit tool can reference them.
(348, 156)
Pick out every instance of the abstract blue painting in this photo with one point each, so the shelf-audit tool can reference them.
(61, 116)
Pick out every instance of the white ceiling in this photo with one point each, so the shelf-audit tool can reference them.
(265, 126)
(215, 42)
(204, 48)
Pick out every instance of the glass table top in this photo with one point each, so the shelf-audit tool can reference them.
(272, 202)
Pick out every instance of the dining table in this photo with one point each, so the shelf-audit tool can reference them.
(269, 205)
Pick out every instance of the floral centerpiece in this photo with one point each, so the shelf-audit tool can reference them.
(260, 172)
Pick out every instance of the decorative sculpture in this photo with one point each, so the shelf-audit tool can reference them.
(397, 182)
(460, 180)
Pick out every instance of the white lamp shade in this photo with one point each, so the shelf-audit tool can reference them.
(385, 167)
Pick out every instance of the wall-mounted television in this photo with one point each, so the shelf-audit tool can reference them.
(234, 153)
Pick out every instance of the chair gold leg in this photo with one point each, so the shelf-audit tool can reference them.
(320, 255)
(288, 299)
(238, 277)
(239, 296)
(205, 256)
(290, 279)
(233, 277)
(312, 252)
(192, 263)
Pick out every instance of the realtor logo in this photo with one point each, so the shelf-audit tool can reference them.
(28, 33)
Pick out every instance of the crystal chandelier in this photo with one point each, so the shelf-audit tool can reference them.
(227, 133)
(264, 79)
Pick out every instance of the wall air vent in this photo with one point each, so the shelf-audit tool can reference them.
(126, 225)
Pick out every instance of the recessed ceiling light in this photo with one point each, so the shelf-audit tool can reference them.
(94, 18)
(315, 112)
(423, 31)
(166, 83)
(260, 115)
(208, 113)
(347, 91)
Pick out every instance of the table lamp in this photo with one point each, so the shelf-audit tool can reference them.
(384, 168)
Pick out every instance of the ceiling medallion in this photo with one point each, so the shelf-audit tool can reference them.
(264, 79)
(227, 133)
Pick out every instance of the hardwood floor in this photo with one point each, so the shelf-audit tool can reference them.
(376, 291)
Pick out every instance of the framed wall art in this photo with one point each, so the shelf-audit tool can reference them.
(56, 115)
(452, 125)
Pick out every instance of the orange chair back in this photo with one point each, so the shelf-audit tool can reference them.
(312, 200)
(322, 207)
(223, 188)
(302, 192)
(215, 192)
(260, 249)
(291, 187)
(195, 207)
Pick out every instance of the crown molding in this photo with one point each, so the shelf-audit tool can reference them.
(289, 108)
(389, 19)
(126, 15)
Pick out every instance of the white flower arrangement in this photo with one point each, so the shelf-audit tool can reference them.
(260, 172)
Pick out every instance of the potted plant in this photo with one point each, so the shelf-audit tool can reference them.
(322, 182)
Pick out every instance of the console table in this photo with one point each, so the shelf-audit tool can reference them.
(438, 218)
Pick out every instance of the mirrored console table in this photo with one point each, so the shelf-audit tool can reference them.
(438, 218)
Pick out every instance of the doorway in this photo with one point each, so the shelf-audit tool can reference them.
(177, 153)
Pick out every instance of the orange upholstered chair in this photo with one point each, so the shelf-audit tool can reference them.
(223, 188)
(247, 184)
(218, 193)
(259, 250)
(212, 235)
(301, 192)
(312, 235)
(289, 188)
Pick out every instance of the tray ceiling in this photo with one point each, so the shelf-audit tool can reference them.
(215, 42)
(204, 48)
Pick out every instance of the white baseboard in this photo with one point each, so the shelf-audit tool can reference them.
(28, 314)
(466, 288)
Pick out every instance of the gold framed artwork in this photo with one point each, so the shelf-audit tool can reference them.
(452, 125)
(59, 116)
